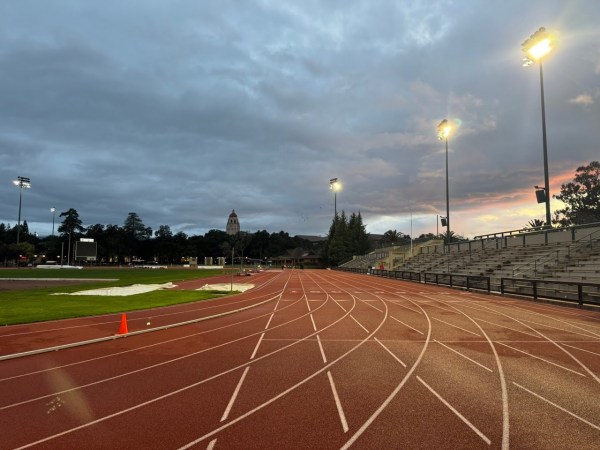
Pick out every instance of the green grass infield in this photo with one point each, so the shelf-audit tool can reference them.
(37, 305)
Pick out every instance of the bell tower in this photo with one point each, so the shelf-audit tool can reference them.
(233, 225)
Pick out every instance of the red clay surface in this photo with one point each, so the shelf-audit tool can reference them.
(320, 359)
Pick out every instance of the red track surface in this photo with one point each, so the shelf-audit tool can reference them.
(323, 360)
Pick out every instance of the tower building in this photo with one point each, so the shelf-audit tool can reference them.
(233, 225)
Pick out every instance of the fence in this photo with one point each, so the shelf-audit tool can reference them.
(569, 291)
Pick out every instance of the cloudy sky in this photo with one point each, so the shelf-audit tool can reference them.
(183, 110)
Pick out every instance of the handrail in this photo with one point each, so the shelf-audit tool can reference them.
(543, 229)
(582, 292)
(575, 246)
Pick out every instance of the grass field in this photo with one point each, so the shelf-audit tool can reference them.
(36, 305)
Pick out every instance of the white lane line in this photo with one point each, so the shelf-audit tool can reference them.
(211, 445)
(456, 326)
(406, 307)
(257, 345)
(313, 322)
(508, 328)
(464, 356)
(322, 351)
(591, 335)
(235, 394)
(406, 325)
(338, 404)
(337, 303)
(542, 359)
(580, 349)
(366, 302)
(459, 415)
(352, 317)
(390, 352)
(558, 407)
(269, 322)
(393, 394)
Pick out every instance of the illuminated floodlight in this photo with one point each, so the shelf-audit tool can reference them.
(21, 183)
(335, 185)
(540, 44)
(444, 130)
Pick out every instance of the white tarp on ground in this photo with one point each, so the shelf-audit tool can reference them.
(122, 291)
(143, 288)
(226, 287)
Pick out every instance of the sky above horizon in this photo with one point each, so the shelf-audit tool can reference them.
(182, 111)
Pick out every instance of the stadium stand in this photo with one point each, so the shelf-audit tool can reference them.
(561, 254)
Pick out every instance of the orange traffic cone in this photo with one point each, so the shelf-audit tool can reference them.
(123, 326)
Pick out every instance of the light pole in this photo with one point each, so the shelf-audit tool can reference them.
(335, 185)
(444, 129)
(53, 211)
(536, 47)
(21, 183)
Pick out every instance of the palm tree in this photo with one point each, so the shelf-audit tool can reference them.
(535, 224)
(392, 236)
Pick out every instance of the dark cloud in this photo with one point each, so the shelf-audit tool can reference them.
(181, 111)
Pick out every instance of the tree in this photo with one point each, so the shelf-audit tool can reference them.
(581, 197)
(135, 228)
(535, 224)
(136, 233)
(392, 237)
(71, 223)
(358, 235)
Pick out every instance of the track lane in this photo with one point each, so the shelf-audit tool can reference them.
(296, 374)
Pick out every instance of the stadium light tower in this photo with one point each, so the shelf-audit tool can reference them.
(444, 130)
(53, 211)
(335, 185)
(21, 183)
(536, 48)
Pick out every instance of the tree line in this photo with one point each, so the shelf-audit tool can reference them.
(133, 240)
(347, 235)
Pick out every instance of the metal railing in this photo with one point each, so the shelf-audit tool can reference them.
(569, 291)
(582, 242)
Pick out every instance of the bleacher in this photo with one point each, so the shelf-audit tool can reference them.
(561, 254)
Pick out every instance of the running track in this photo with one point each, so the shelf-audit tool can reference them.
(312, 359)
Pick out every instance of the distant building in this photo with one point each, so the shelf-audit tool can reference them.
(233, 224)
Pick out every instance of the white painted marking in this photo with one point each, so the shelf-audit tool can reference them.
(235, 394)
(359, 324)
(269, 322)
(406, 325)
(390, 352)
(366, 302)
(580, 349)
(464, 356)
(322, 351)
(508, 328)
(315, 292)
(338, 404)
(400, 292)
(558, 407)
(456, 326)
(257, 345)
(338, 303)
(393, 394)
(542, 359)
(406, 307)
(313, 322)
(211, 445)
(459, 415)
